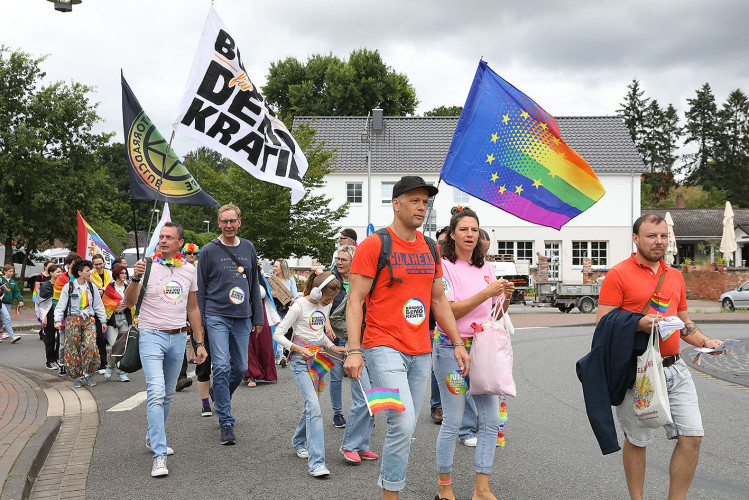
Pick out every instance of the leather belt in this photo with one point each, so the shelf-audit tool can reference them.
(175, 331)
(670, 360)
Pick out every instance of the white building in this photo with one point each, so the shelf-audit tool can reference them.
(397, 146)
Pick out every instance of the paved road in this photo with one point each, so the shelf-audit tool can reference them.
(550, 453)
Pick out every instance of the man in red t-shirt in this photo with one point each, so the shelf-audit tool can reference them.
(630, 285)
(396, 340)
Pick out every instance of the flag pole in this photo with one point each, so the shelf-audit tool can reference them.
(161, 181)
(432, 208)
(135, 229)
(365, 398)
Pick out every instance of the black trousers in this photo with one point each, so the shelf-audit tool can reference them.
(101, 343)
(51, 338)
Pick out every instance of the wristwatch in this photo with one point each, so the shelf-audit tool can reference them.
(135, 280)
(199, 344)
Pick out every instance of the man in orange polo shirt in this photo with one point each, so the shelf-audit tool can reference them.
(630, 285)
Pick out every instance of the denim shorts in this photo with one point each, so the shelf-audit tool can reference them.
(685, 412)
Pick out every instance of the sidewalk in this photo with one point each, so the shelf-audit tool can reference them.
(47, 433)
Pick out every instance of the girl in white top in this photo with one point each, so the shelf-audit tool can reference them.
(307, 317)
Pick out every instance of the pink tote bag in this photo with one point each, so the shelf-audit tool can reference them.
(491, 357)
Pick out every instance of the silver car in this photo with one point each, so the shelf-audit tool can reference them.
(735, 298)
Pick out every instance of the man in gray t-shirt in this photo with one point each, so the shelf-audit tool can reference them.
(231, 307)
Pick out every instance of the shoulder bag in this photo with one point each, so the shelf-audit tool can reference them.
(125, 352)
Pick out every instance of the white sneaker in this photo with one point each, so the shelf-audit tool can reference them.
(159, 467)
(302, 452)
(319, 471)
(471, 441)
(169, 451)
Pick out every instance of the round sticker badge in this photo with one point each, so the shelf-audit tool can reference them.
(317, 321)
(446, 286)
(236, 295)
(456, 384)
(172, 290)
(414, 311)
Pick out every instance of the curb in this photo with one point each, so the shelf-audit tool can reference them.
(30, 461)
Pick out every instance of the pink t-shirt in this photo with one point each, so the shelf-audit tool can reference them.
(165, 301)
(462, 281)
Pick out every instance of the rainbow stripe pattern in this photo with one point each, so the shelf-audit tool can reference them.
(33, 296)
(322, 363)
(18, 310)
(110, 299)
(6, 287)
(382, 398)
(507, 151)
(659, 304)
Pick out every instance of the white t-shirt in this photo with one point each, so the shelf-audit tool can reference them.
(165, 301)
(307, 320)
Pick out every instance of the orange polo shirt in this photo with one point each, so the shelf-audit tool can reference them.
(630, 285)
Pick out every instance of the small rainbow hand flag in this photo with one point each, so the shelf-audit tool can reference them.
(18, 310)
(321, 364)
(110, 299)
(33, 297)
(382, 398)
(659, 304)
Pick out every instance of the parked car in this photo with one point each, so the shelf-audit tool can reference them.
(735, 298)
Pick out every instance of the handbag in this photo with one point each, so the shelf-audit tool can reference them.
(650, 393)
(491, 357)
(125, 351)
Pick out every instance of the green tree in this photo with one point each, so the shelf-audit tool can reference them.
(445, 111)
(47, 154)
(633, 110)
(701, 129)
(693, 197)
(731, 169)
(660, 136)
(329, 86)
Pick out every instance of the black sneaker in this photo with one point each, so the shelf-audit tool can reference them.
(227, 434)
(339, 421)
(206, 412)
(62, 372)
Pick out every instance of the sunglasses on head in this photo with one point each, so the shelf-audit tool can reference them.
(190, 253)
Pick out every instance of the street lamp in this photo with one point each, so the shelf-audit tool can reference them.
(207, 226)
(64, 5)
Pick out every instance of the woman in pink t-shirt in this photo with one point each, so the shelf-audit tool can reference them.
(471, 289)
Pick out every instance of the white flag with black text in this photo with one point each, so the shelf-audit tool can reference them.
(224, 110)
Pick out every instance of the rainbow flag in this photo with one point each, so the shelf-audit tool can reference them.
(90, 243)
(18, 310)
(6, 287)
(507, 151)
(321, 364)
(110, 299)
(382, 398)
(63, 280)
(85, 300)
(659, 304)
(33, 296)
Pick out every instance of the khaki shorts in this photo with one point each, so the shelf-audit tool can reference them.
(685, 412)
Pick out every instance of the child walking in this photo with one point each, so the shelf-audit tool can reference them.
(307, 317)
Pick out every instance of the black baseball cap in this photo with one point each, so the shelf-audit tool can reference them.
(409, 182)
(349, 233)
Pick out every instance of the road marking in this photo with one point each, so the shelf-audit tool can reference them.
(531, 327)
(130, 403)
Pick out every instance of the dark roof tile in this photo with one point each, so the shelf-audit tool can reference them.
(694, 223)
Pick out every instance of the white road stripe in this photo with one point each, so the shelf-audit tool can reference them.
(130, 403)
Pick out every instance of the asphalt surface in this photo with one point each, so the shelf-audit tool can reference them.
(551, 451)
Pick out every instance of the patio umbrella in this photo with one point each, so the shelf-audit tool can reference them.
(728, 241)
(671, 248)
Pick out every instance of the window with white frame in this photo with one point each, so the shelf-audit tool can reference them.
(596, 251)
(460, 198)
(387, 192)
(430, 226)
(354, 192)
(520, 250)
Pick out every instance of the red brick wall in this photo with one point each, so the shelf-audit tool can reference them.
(708, 285)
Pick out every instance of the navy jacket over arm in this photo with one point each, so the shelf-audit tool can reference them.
(608, 370)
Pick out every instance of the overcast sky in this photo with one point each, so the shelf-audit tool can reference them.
(573, 57)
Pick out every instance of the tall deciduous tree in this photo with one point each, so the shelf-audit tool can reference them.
(445, 111)
(328, 86)
(47, 154)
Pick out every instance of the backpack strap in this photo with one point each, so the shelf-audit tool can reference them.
(144, 284)
(70, 291)
(433, 248)
(386, 246)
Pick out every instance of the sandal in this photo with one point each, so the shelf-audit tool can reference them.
(251, 383)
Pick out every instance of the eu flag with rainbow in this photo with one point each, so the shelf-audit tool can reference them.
(507, 151)
(382, 398)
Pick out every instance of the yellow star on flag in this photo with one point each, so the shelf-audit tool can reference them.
(494, 138)
(544, 126)
(524, 115)
(505, 118)
(537, 183)
(519, 189)
(502, 189)
(494, 176)
(489, 159)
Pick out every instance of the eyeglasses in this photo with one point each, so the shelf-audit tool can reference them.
(338, 259)
(190, 253)
(228, 221)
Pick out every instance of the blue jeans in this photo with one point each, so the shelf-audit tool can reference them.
(434, 397)
(409, 374)
(5, 314)
(161, 355)
(229, 339)
(359, 424)
(309, 431)
(453, 406)
(335, 385)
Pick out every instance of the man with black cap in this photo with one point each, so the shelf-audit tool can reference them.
(347, 237)
(397, 346)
